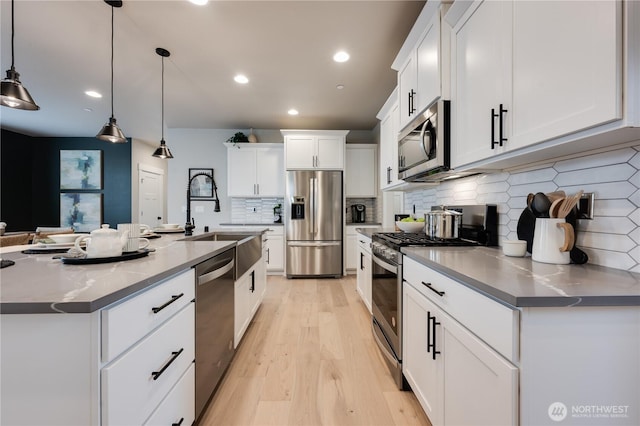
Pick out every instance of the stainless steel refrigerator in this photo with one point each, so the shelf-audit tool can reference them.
(314, 223)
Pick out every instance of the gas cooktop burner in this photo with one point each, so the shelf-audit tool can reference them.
(403, 239)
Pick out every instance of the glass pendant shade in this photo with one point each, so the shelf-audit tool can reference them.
(12, 93)
(162, 151)
(111, 133)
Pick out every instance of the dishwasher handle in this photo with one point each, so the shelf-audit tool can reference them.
(217, 273)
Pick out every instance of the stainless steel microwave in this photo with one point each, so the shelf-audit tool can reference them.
(423, 147)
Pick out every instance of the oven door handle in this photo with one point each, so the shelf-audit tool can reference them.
(385, 265)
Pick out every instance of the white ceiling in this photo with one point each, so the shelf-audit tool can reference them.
(62, 48)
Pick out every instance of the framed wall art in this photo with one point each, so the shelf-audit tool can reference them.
(201, 183)
(81, 210)
(80, 169)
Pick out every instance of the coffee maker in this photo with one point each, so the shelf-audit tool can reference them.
(358, 213)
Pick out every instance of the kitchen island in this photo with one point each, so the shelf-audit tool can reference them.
(108, 343)
(529, 343)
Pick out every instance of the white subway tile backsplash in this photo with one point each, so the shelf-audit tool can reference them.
(611, 239)
(613, 208)
(613, 173)
(542, 175)
(596, 160)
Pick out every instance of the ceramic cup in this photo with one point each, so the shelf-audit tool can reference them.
(552, 241)
(134, 242)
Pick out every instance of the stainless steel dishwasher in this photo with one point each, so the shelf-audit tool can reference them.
(214, 323)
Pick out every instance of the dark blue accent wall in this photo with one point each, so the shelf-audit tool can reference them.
(30, 179)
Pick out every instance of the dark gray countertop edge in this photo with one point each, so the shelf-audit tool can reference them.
(251, 224)
(91, 306)
(513, 301)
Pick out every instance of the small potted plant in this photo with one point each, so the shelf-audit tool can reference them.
(237, 138)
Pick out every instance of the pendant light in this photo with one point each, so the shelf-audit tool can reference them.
(111, 132)
(13, 93)
(162, 151)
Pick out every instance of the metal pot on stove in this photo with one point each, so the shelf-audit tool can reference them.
(442, 224)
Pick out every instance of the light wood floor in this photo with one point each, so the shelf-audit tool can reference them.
(309, 358)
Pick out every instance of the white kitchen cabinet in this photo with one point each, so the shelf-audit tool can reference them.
(274, 249)
(80, 383)
(314, 149)
(248, 295)
(389, 117)
(255, 170)
(457, 378)
(361, 171)
(176, 407)
(514, 85)
(364, 270)
(419, 77)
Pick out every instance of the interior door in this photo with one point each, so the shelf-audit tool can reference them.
(150, 198)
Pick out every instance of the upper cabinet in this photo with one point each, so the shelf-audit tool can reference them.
(314, 149)
(255, 170)
(389, 117)
(360, 171)
(523, 73)
(419, 64)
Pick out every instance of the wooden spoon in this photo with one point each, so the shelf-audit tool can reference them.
(555, 207)
(553, 196)
(568, 204)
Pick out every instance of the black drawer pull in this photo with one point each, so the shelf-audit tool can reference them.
(179, 423)
(175, 355)
(430, 287)
(173, 299)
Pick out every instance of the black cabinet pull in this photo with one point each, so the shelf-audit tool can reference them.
(268, 256)
(493, 128)
(412, 98)
(388, 175)
(362, 261)
(179, 423)
(409, 104)
(173, 299)
(253, 282)
(429, 317)
(430, 287)
(435, 352)
(501, 128)
(156, 374)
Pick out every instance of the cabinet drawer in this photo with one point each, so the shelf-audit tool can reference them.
(364, 243)
(491, 321)
(129, 391)
(178, 407)
(126, 323)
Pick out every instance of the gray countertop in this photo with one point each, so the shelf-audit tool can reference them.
(39, 284)
(521, 282)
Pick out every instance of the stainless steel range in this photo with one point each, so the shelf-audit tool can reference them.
(479, 226)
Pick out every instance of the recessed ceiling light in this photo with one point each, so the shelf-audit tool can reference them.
(199, 2)
(340, 86)
(292, 111)
(93, 94)
(241, 79)
(341, 56)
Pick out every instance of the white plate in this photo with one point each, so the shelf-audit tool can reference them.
(168, 230)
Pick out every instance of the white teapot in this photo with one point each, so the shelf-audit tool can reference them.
(103, 242)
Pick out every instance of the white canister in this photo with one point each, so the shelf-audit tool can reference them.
(552, 241)
(134, 242)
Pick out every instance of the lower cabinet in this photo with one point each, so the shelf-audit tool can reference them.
(274, 249)
(457, 378)
(123, 364)
(364, 269)
(249, 292)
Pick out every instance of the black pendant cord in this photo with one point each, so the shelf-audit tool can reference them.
(111, 62)
(13, 34)
(162, 139)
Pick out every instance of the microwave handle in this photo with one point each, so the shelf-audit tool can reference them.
(422, 131)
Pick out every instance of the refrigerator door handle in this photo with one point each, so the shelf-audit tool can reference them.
(315, 205)
(312, 207)
(313, 243)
